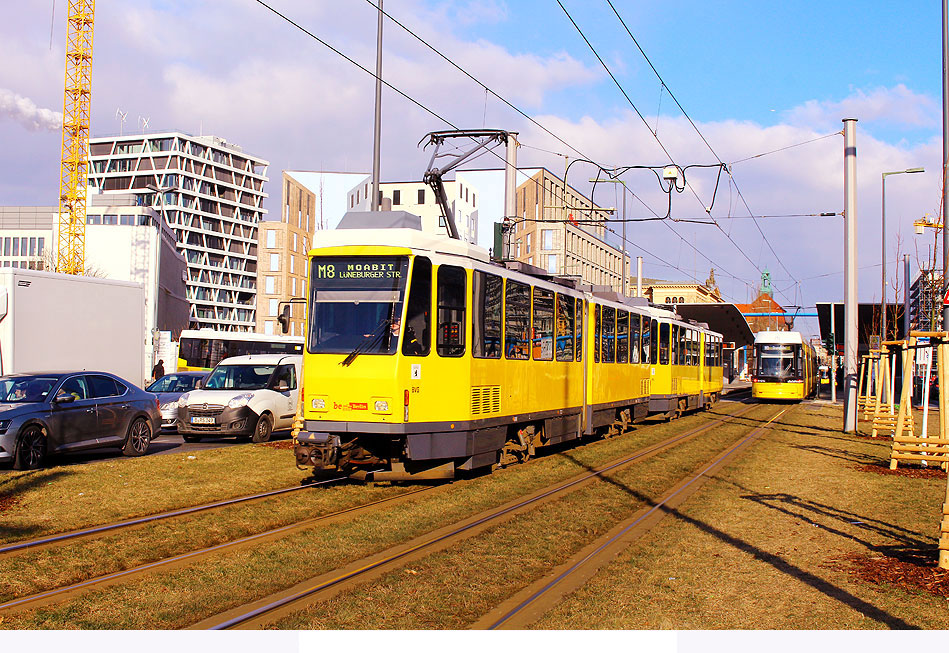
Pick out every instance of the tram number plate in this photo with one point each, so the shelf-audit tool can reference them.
(202, 420)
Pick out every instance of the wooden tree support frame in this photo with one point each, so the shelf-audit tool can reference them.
(884, 417)
(936, 449)
(867, 398)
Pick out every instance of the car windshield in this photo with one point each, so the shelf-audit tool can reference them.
(175, 383)
(239, 377)
(26, 389)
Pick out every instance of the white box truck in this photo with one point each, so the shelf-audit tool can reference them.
(51, 321)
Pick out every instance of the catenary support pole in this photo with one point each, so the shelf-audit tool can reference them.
(945, 161)
(639, 276)
(850, 275)
(377, 127)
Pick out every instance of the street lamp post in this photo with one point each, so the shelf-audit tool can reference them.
(883, 244)
(619, 181)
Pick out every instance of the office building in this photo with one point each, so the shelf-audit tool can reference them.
(211, 193)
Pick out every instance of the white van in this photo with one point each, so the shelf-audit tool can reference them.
(245, 396)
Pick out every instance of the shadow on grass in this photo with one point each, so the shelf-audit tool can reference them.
(13, 485)
(841, 454)
(777, 562)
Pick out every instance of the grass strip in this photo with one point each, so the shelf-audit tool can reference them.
(759, 547)
(181, 597)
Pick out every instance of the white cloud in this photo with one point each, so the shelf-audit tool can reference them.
(897, 106)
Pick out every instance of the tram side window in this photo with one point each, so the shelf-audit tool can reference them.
(597, 332)
(622, 337)
(609, 334)
(675, 344)
(486, 315)
(565, 327)
(450, 340)
(635, 336)
(694, 341)
(417, 339)
(542, 344)
(664, 343)
(579, 323)
(645, 354)
(517, 320)
(654, 342)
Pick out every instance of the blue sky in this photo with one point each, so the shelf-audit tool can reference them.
(754, 76)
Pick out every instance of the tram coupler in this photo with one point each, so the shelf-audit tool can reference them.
(317, 450)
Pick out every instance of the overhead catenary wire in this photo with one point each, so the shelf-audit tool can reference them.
(452, 125)
(702, 136)
(666, 152)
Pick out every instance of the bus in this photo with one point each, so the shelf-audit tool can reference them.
(202, 349)
(785, 366)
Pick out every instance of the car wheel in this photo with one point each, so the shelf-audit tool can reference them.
(263, 429)
(191, 438)
(30, 449)
(140, 435)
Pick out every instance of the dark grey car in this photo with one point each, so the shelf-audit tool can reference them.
(57, 412)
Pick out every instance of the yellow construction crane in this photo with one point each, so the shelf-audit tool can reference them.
(77, 105)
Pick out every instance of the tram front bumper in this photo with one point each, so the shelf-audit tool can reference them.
(316, 449)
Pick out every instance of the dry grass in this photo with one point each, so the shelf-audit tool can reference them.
(181, 597)
(47, 501)
(453, 588)
(755, 549)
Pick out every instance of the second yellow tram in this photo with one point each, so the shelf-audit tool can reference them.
(785, 367)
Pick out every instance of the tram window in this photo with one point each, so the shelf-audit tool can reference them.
(622, 337)
(675, 344)
(486, 315)
(647, 348)
(635, 326)
(664, 343)
(517, 320)
(579, 323)
(542, 337)
(565, 327)
(417, 339)
(450, 340)
(609, 334)
(597, 332)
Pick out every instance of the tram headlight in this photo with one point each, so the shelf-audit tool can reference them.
(382, 406)
(318, 403)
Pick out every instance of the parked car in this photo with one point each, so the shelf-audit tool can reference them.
(168, 389)
(246, 396)
(55, 412)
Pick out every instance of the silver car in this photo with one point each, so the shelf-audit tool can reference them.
(168, 389)
(57, 412)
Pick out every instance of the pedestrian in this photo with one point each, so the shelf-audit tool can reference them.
(159, 370)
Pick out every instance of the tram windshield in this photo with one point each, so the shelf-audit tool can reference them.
(356, 304)
(778, 362)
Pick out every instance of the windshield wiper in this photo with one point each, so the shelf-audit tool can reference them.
(371, 340)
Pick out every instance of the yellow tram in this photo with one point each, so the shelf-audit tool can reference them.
(785, 366)
(423, 357)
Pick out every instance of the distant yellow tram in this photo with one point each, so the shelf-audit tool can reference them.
(785, 367)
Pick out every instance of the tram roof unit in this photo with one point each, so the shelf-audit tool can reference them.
(779, 337)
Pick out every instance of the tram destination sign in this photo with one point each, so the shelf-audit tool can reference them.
(358, 272)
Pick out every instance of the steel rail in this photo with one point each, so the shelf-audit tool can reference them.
(359, 571)
(632, 524)
(306, 523)
(20, 546)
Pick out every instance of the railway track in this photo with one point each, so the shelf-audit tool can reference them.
(534, 601)
(67, 592)
(148, 519)
(265, 611)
